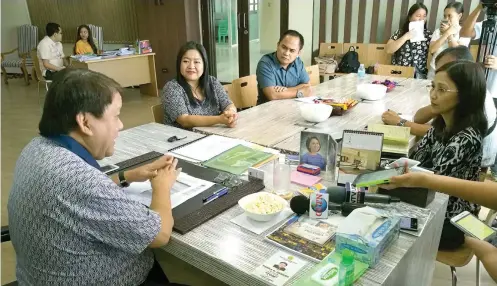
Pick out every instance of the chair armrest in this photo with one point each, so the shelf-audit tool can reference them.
(8, 53)
(5, 233)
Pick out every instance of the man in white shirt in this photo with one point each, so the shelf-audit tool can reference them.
(50, 53)
(472, 30)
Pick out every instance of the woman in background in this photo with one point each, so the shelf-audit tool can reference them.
(195, 99)
(84, 42)
(447, 36)
(453, 146)
(407, 53)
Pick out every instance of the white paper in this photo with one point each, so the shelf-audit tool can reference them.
(418, 27)
(207, 148)
(140, 192)
(259, 227)
(187, 187)
(279, 268)
(184, 188)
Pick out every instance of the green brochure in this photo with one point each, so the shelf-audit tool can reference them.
(237, 159)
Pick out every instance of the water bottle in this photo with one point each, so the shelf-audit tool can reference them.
(361, 72)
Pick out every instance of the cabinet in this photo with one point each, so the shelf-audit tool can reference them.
(168, 24)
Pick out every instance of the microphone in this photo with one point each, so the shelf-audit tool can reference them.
(300, 205)
(340, 195)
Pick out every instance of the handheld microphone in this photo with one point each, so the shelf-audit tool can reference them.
(339, 195)
(300, 205)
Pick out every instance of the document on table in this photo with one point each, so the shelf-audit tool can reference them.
(279, 268)
(207, 148)
(212, 146)
(184, 188)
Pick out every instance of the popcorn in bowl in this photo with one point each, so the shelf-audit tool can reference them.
(262, 206)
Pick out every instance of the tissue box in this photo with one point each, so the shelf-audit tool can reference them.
(370, 248)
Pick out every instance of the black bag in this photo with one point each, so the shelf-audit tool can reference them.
(350, 62)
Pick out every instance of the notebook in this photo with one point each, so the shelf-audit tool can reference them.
(395, 138)
(360, 153)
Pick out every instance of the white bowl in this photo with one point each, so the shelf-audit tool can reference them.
(265, 196)
(315, 112)
(370, 91)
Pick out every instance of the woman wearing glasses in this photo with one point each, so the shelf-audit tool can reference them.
(453, 146)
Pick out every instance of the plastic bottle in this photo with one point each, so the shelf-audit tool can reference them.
(361, 72)
(346, 272)
(137, 47)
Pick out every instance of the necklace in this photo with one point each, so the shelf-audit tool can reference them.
(195, 94)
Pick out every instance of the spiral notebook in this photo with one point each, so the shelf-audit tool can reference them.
(360, 153)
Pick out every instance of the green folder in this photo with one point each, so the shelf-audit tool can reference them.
(237, 159)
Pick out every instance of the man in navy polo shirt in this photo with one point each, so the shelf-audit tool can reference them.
(281, 75)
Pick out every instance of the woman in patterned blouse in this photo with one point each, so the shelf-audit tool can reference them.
(194, 98)
(453, 146)
(407, 53)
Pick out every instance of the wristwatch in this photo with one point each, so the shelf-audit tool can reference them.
(122, 180)
(300, 94)
(402, 122)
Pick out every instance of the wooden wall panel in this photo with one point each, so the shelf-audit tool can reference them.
(360, 25)
(374, 21)
(334, 21)
(117, 18)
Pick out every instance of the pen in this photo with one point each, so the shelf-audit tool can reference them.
(215, 196)
(395, 112)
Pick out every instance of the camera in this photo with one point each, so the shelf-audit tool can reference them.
(491, 6)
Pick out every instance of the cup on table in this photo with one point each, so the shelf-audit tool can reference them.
(281, 178)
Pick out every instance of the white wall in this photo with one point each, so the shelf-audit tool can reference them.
(14, 13)
(269, 24)
(300, 18)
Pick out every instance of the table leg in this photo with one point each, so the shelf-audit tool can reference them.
(151, 88)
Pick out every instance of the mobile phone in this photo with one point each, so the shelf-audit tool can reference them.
(472, 226)
(108, 168)
(445, 22)
(402, 162)
(377, 178)
(409, 223)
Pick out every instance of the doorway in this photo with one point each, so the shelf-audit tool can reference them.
(237, 33)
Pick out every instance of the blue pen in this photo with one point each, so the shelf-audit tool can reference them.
(216, 195)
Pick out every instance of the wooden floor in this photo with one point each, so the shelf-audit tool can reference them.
(21, 109)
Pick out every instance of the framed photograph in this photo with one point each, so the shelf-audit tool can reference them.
(318, 149)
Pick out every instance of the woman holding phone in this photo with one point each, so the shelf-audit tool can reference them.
(405, 51)
(486, 196)
(448, 33)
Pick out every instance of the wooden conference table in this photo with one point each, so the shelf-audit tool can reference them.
(132, 70)
(278, 123)
(230, 253)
